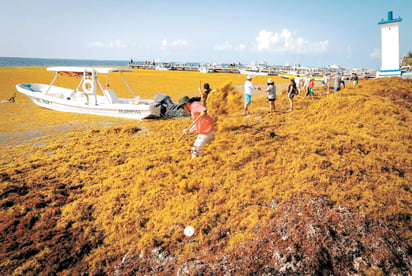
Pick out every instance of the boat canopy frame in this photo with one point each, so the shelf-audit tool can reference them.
(90, 73)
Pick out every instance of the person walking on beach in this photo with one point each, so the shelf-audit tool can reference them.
(249, 87)
(325, 81)
(271, 93)
(297, 81)
(202, 122)
(204, 93)
(354, 80)
(292, 92)
(311, 84)
(306, 85)
(337, 82)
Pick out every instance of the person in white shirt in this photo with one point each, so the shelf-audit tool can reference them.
(325, 81)
(271, 93)
(249, 87)
(297, 81)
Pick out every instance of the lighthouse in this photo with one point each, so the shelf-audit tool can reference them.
(389, 47)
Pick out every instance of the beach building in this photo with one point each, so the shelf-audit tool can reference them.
(389, 47)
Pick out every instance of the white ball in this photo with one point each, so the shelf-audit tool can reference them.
(189, 231)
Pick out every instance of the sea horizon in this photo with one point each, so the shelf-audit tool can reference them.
(46, 62)
(26, 61)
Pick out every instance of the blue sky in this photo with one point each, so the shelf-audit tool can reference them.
(310, 33)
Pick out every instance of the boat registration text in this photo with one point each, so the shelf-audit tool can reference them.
(125, 111)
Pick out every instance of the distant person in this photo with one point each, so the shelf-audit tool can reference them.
(337, 81)
(292, 92)
(310, 88)
(297, 82)
(205, 93)
(301, 85)
(249, 87)
(11, 100)
(325, 82)
(354, 80)
(271, 94)
(202, 122)
(306, 85)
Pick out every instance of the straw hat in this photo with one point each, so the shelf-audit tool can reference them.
(183, 100)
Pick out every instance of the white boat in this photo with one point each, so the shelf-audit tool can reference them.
(406, 72)
(206, 68)
(165, 66)
(302, 73)
(253, 72)
(253, 69)
(93, 98)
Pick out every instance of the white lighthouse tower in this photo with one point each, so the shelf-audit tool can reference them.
(389, 47)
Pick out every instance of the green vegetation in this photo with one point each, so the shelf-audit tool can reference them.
(407, 60)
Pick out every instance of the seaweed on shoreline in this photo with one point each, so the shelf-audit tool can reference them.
(301, 190)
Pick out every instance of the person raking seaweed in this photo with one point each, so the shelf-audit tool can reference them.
(202, 122)
(204, 93)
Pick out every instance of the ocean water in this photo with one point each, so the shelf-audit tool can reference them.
(16, 61)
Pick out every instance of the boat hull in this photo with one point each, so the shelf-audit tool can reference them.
(288, 76)
(206, 70)
(253, 72)
(66, 100)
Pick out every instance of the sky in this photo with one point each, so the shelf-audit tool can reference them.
(310, 33)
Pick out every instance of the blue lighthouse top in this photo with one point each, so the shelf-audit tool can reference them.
(390, 19)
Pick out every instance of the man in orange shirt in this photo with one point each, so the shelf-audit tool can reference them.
(202, 122)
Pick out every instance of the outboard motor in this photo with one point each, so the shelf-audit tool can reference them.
(163, 106)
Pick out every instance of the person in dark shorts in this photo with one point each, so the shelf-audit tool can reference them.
(271, 93)
(292, 92)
